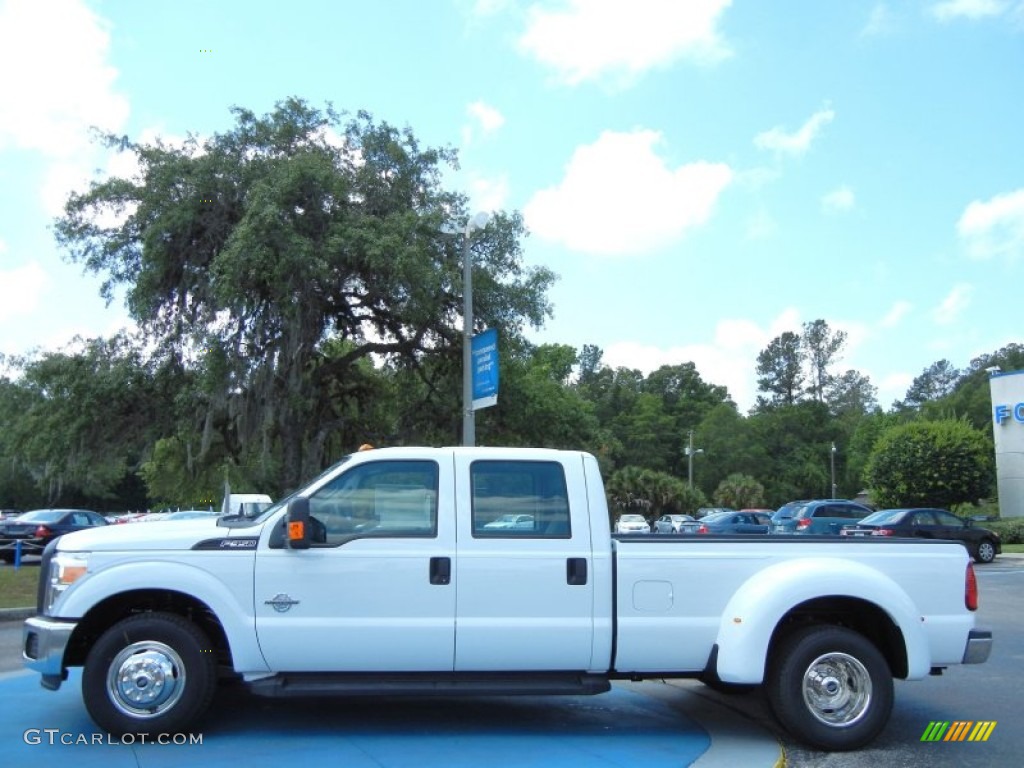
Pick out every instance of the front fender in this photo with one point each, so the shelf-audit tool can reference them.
(228, 593)
(757, 607)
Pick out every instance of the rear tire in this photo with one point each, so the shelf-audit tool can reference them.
(830, 687)
(986, 551)
(150, 673)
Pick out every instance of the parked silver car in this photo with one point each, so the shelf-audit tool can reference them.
(632, 524)
(676, 524)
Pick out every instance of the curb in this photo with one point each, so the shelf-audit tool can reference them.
(17, 614)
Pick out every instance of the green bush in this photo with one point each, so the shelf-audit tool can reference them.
(930, 464)
(1011, 530)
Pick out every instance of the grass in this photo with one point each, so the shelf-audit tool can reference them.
(1017, 548)
(18, 587)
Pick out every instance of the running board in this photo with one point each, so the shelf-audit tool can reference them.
(429, 684)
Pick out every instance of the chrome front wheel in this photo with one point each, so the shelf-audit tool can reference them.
(146, 679)
(149, 673)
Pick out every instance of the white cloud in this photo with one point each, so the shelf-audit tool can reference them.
(838, 200)
(618, 197)
(485, 120)
(893, 387)
(21, 289)
(727, 360)
(994, 227)
(487, 116)
(488, 194)
(956, 301)
(880, 22)
(896, 313)
(57, 80)
(949, 10)
(591, 39)
(798, 142)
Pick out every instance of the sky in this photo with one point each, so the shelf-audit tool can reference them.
(702, 175)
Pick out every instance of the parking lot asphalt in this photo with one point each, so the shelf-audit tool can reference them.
(648, 724)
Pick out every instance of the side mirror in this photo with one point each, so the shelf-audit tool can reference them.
(297, 524)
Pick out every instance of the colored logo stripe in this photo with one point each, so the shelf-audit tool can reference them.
(982, 730)
(958, 730)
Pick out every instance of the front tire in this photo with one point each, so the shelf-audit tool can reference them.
(986, 551)
(150, 673)
(830, 687)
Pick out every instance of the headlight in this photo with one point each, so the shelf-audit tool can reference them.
(65, 569)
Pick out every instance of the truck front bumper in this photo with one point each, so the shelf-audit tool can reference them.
(43, 642)
(979, 646)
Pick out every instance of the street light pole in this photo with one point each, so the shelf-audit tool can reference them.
(833, 469)
(689, 454)
(468, 417)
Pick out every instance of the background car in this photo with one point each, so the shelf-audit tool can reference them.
(734, 522)
(40, 526)
(822, 517)
(192, 514)
(511, 523)
(675, 524)
(9, 514)
(929, 523)
(632, 524)
(703, 512)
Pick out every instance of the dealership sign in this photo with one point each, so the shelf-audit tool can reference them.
(1004, 412)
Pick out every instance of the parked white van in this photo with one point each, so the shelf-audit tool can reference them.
(248, 504)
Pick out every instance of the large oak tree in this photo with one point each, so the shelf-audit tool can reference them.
(282, 254)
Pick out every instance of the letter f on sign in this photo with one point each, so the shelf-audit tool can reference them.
(1002, 413)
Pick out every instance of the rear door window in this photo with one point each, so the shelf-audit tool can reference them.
(519, 499)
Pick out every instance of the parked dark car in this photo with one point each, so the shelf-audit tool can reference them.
(703, 512)
(927, 523)
(39, 527)
(734, 522)
(820, 516)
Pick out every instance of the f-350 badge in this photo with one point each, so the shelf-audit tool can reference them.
(281, 602)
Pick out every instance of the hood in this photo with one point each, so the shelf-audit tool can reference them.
(155, 535)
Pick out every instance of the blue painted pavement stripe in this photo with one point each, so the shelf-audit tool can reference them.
(619, 728)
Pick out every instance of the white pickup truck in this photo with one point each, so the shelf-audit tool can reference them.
(386, 574)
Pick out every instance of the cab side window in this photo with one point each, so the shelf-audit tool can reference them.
(519, 499)
(381, 498)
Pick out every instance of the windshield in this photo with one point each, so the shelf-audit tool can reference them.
(883, 516)
(632, 519)
(716, 517)
(264, 514)
(42, 516)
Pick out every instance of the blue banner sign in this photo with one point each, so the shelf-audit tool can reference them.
(485, 369)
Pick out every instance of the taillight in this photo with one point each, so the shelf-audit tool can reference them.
(971, 589)
(702, 529)
(803, 523)
(42, 531)
(883, 532)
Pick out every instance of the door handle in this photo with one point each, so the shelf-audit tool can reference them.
(440, 570)
(576, 571)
